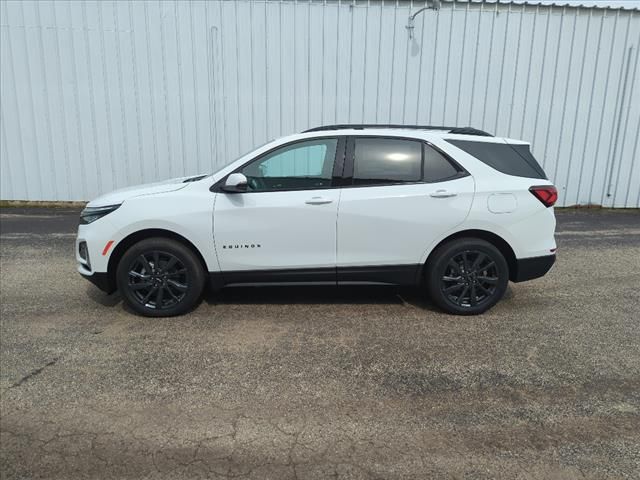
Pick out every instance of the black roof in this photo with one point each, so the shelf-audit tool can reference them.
(363, 126)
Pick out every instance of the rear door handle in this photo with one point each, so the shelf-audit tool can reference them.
(318, 201)
(442, 194)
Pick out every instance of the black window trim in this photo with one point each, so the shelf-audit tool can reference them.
(336, 176)
(350, 159)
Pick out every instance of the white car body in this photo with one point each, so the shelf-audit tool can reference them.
(374, 233)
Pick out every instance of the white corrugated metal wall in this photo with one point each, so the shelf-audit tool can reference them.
(100, 95)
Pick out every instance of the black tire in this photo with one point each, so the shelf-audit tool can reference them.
(160, 277)
(469, 290)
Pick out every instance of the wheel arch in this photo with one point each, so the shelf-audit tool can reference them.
(133, 238)
(497, 241)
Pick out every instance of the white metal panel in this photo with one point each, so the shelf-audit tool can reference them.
(97, 95)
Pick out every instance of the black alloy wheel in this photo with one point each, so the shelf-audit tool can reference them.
(158, 280)
(160, 277)
(470, 278)
(466, 276)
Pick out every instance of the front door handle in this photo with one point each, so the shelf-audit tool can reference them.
(318, 201)
(442, 194)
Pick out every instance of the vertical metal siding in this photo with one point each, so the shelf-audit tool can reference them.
(97, 95)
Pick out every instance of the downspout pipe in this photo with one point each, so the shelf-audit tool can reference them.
(435, 5)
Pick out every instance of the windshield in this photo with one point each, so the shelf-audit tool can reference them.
(239, 157)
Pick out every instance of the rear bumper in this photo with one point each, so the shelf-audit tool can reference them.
(530, 268)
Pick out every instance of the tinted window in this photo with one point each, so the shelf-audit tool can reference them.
(510, 159)
(386, 160)
(436, 166)
(525, 153)
(302, 165)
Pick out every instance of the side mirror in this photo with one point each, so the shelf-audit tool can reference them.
(236, 183)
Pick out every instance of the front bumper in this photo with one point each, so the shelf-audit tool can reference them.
(91, 263)
(530, 268)
(100, 280)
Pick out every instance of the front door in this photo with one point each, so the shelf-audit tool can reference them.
(284, 227)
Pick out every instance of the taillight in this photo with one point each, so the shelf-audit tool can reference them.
(547, 194)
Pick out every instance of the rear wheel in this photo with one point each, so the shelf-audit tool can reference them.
(467, 276)
(160, 277)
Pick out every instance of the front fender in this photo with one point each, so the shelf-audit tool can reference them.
(188, 216)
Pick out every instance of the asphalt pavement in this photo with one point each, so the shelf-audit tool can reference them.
(306, 383)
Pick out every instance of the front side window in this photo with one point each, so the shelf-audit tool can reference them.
(384, 161)
(299, 166)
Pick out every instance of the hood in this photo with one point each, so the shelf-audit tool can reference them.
(119, 196)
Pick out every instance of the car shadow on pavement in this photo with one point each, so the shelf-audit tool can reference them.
(102, 298)
(293, 295)
(352, 295)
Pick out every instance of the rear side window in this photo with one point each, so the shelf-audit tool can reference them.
(436, 167)
(380, 161)
(514, 160)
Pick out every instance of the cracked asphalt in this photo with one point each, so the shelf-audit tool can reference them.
(307, 383)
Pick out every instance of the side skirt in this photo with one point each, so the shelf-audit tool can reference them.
(380, 275)
(370, 275)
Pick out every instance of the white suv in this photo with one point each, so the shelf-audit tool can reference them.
(455, 211)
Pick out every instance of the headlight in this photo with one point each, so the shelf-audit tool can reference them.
(91, 214)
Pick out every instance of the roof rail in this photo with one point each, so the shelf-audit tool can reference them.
(362, 126)
(470, 131)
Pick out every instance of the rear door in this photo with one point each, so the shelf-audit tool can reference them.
(400, 196)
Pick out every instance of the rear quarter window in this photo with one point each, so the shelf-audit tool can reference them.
(514, 160)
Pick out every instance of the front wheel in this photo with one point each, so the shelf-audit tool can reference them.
(467, 276)
(160, 277)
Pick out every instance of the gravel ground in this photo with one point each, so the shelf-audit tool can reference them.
(322, 383)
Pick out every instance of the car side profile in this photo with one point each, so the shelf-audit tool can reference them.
(455, 211)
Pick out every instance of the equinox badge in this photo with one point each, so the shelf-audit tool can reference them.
(242, 245)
